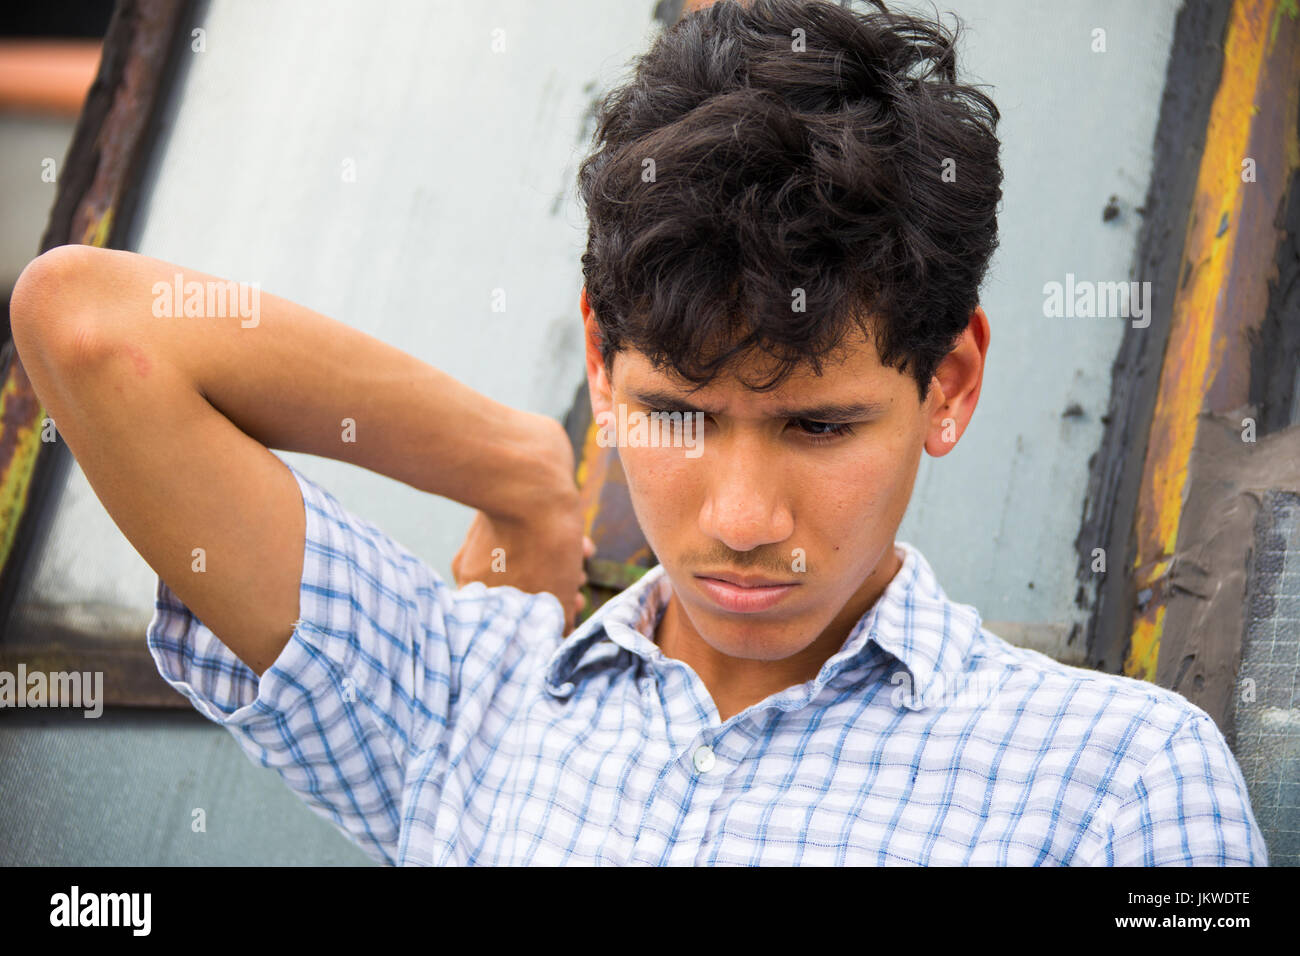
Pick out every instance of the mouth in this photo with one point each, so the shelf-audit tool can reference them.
(742, 594)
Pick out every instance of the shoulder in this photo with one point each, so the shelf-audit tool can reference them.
(1099, 730)
(1081, 691)
(1165, 785)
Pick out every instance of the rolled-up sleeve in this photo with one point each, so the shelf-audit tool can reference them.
(364, 683)
(1189, 807)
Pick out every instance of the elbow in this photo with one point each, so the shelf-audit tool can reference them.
(49, 311)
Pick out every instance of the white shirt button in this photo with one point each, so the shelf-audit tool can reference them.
(704, 759)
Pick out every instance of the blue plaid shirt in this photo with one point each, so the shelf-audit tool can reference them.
(436, 725)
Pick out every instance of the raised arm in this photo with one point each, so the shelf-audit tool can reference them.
(171, 417)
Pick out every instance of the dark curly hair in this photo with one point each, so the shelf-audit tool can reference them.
(776, 170)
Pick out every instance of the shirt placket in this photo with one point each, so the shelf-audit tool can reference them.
(677, 816)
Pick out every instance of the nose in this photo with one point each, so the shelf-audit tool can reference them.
(745, 507)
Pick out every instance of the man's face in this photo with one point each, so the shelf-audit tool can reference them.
(802, 487)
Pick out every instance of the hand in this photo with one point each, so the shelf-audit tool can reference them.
(539, 547)
(542, 556)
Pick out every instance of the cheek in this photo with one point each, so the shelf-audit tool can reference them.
(851, 499)
(661, 484)
(845, 502)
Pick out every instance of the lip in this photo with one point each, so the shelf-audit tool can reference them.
(743, 595)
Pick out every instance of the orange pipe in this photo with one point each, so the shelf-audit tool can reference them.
(47, 76)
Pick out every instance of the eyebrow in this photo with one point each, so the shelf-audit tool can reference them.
(821, 412)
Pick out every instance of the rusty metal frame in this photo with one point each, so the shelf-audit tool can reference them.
(94, 205)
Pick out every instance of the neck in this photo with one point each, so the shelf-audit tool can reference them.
(737, 683)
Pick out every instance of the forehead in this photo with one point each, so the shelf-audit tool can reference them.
(853, 372)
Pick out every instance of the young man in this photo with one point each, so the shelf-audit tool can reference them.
(792, 207)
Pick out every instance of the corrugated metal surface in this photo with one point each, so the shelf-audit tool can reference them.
(1267, 699)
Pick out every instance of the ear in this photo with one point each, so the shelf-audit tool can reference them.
(955, 388)
(598, 383)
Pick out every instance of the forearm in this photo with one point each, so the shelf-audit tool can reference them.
(296, 380)
(303, 382)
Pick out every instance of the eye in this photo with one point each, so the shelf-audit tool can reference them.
(688, 421)
(816, 432)
(820, 432)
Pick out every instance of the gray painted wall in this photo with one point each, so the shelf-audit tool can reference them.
(122, 790)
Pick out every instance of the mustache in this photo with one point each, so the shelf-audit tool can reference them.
(761, 561)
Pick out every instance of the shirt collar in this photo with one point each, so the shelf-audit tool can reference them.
(913, 621)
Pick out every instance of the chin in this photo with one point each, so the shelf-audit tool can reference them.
(749, 636)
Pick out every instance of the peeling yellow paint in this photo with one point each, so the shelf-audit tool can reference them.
(96, 231)
(1144, 647)
(1192, 357)
(15, 479)
(590, 469)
